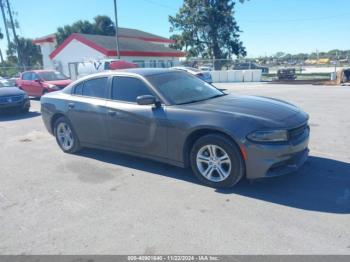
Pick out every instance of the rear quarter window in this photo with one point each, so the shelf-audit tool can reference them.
(78, 89)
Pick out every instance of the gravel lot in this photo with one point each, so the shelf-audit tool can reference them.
(99, 202)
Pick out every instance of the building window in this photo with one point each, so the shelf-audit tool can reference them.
(161, 64)
(170, 63)
(152, 63)
(140, 63)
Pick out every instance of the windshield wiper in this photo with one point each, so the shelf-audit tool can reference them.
(199, 100)
(190, 102)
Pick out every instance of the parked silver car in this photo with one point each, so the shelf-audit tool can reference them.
(176, 118)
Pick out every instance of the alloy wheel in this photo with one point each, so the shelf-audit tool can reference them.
(65, 136)
(213, 163)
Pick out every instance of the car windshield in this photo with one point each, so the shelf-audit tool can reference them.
(52, 76)
(181, 88)
(5, 83)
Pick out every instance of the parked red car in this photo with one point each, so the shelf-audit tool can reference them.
(38, 82)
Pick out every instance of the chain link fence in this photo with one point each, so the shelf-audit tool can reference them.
(269, 70)
(13, 72)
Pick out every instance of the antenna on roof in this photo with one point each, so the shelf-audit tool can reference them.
(116, 28)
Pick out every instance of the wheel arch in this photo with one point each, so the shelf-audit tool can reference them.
(54, 119)
(198, 133)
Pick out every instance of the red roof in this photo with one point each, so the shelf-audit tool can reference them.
(122, 32)
(128, 46)
(45, 39)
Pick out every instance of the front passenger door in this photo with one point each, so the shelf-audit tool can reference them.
(36, 85)
(132, 127)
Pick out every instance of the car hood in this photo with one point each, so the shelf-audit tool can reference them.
(10, 91)
(254, 106)
(59, 82)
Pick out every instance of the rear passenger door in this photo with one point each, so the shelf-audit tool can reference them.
(132, 127)
(87, 110)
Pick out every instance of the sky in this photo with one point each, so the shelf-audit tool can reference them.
(269, 26)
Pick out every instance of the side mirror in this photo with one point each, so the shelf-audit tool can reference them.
(146, 100)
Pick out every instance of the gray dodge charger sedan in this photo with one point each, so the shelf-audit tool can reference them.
(176, 118)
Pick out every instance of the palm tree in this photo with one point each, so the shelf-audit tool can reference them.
(29, 52)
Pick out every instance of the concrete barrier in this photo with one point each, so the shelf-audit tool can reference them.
(223, 76)
(257, 75)
(215, 75)
(230, 76)
(248, 76)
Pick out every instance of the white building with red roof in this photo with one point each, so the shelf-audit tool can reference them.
(142, 48)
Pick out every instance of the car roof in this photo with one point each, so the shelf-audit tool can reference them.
(146, 71)
(38, 71)
(131, 72)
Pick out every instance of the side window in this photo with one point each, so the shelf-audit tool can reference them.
(128, 89)
(140, 63)
(34, 76)
(27, 76)
(78, 89)
(96, 87)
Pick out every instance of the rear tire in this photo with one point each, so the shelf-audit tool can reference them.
(65, 136)
(217, 161)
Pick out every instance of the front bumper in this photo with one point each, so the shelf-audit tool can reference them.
(269, 160)
(20, 105)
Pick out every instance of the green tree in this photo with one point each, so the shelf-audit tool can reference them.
(207, 29)
(102, 25)
(29, 52)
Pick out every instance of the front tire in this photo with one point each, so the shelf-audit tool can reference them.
(216, 161)
(65, 136)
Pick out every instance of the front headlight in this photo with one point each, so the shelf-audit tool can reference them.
(269, 136)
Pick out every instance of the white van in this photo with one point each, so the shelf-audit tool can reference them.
(91, 67)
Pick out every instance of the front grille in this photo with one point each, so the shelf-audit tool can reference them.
(296, 132)
(11, 99)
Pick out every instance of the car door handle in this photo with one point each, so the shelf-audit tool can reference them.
(71, 105)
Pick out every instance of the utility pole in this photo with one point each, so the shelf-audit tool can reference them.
(5, 23)
(14, 34)
(116, 28)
